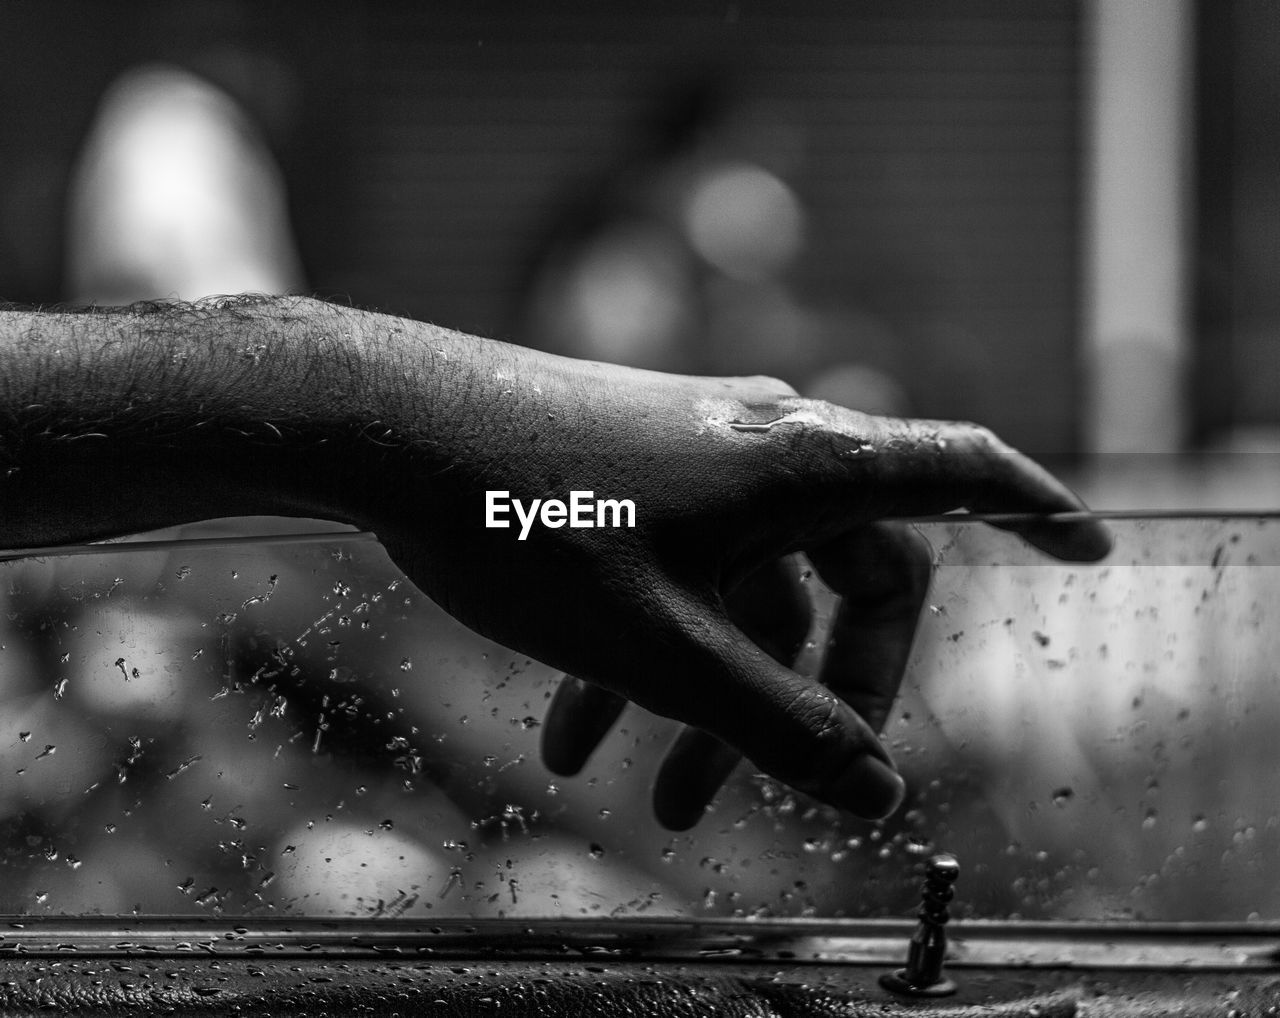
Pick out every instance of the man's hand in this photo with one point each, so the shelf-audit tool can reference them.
(133, 419)
(695, 613)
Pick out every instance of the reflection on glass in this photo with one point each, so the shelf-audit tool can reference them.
(288, 727)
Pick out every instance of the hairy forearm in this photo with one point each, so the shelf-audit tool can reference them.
(118, 420)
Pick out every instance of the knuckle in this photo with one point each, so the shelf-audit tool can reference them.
(985, 440)
(772, 384)
(821, 712)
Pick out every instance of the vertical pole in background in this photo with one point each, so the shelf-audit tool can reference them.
(1137, 224)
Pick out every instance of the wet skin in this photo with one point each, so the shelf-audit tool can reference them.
(294, 407)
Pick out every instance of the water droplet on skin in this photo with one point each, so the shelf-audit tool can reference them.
(858, 450)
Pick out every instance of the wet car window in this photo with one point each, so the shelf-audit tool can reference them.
(284, 726)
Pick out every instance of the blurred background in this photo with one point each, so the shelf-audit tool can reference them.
(1059, 219)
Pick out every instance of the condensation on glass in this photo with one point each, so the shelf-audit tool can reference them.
(289, 728)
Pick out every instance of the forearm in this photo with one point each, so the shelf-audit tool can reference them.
(119, 420)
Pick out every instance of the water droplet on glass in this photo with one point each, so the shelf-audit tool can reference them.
(183, 572)
(406, 664)
(595, 851)
(24, 736)
(387, 825)
(1199, 824)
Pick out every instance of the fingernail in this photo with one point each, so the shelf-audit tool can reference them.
(869, 787)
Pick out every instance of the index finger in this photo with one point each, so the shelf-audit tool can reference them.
(990, 476)
(896, 467)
